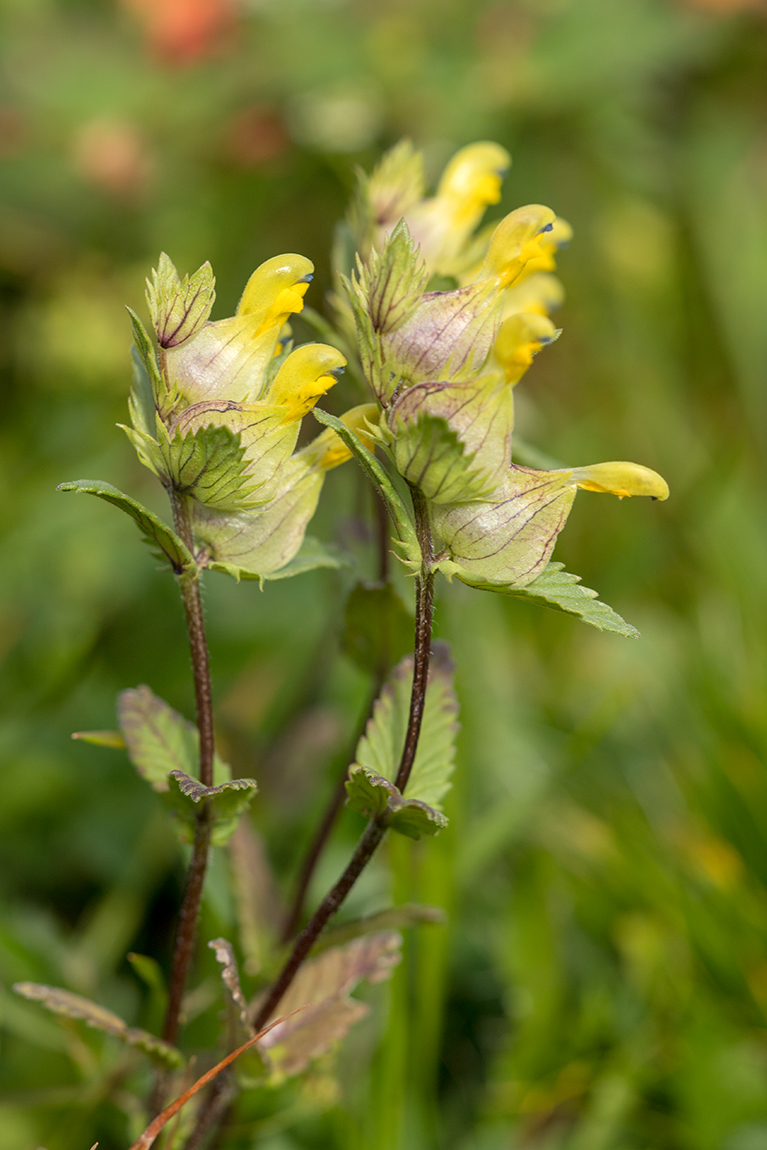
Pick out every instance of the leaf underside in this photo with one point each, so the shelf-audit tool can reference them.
(562, 591)
(64, 1002)
(163, 541)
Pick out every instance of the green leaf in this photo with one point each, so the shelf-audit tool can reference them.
(144, 350)
(378, 476)
(179, 308)
(415, 819)
(141, 401)
(376, 798)
(101, 738)
(158, 739)
(228, 801)
(380, 748)
(378, 629)
(209, 465)
(311, 554)
(71, 1005)
(159, 536)
(370, 788)
(370, 793)
(562, 591)
(323, 987)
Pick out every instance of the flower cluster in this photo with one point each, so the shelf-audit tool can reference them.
(221, 421)
(443, 363)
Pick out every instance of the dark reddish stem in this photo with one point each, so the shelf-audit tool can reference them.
(186, 929)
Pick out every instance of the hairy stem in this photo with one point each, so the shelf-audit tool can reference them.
(190, 905)
(374, 832)
(424, 613)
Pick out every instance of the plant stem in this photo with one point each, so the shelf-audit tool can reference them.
(374, 832)
(187, 920)
(424, 613)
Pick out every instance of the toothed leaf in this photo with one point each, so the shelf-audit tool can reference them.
(209, 465)
(159, 740)
(159, 536)
(563, 591)
(228, 801)
(64, 1002)
(179, 308)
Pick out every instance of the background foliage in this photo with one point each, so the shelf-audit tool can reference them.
(602, 980)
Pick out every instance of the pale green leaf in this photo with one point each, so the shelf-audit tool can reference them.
(380, 748)
(323, 987)
(141, 403)
(101, 738)
(210, 466)
(179, 308)
(369, 793)
(562, 591)
(159, 536)
(70, 1005)
(263, 542)
(160, 740)
(311, 555)
(145, 353)
(227, 800)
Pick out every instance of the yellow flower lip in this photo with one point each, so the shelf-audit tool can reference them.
(621, 479)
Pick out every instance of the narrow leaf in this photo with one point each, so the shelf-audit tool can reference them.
(146, 354)
(101, 738)
(563, 591)
(157, 534)
(228, 801)
(378, 476)
(64, 1002)
(153, 1129)
(230, 975)
(158, 739)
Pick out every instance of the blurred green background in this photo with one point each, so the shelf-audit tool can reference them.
(602, 981)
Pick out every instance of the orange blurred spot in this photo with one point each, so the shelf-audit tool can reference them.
(184, 31)
(112, 155)
(256, 135)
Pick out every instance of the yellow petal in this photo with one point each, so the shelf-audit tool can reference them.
(306, 374)
(621, 479)
(472, 180)
(520, 338)
(329, 450)
(516, 241)
(276, 290)
(539, 292)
